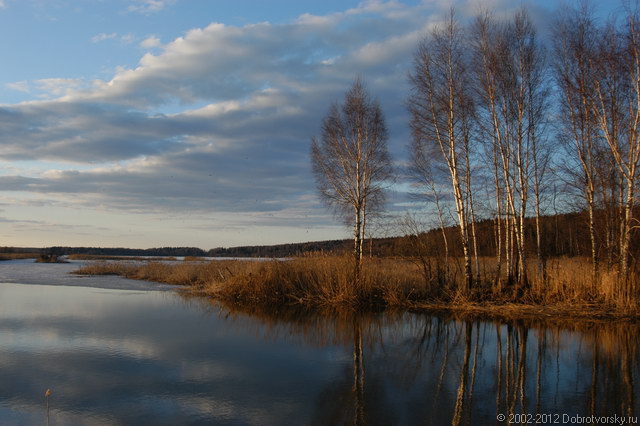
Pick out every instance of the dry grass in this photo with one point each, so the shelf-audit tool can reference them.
(569, 280)
(321, 282)
(309, 281)
(326, 281)
(194, 259)
(197, 275)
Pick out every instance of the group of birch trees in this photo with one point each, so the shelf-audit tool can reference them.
(498, 118)
(479, 93)
(597, 70)
(494, 109)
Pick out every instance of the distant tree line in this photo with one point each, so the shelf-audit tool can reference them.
(9, 249)
(267, 251)
(284, 250)
(565, 234)
(123, 251)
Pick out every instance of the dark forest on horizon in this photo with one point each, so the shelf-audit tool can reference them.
(565, 235)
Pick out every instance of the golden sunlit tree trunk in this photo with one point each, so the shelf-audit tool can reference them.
(441, 108)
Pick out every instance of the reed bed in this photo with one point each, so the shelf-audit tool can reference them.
(194, 259)
(197, 275)
(308, 281)
(328, 281)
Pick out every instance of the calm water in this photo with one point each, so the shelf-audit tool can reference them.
(116, 352)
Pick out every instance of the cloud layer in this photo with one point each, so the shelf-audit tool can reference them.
(219, 120)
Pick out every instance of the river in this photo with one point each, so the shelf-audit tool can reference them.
(121, 352)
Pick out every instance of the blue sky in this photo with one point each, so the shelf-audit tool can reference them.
(147, 123)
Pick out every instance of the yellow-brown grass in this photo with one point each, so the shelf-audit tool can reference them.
(323, 281)
(326, 281)
(194, 259)
(197, 275)
(318, 281)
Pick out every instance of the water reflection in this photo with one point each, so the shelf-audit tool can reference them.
(127, 357)
(426, 369)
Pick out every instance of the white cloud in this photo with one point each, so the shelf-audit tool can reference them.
(60, 86)
(128, 38)
(21, 86)
(150, 6)
(125, 38)
(102, 37)
(150, 42)
(222, 62)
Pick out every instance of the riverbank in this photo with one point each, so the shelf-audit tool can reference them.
(15, 256)
(320, 282)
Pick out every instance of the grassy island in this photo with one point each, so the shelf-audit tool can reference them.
(319, 282)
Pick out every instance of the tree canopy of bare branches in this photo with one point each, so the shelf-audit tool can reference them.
(351, 162)
(597, 69)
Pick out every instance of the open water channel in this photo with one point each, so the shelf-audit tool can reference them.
(121, 352)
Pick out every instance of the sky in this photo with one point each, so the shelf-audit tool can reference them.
(148, 123)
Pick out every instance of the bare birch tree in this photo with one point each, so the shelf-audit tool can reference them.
(617, 88)
(351, 162)
(511, 75)
(487, 49)
(441, 108)
(575, 39)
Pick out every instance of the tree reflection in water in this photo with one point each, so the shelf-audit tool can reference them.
(438, 369)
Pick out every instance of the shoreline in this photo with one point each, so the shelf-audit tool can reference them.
(506, 311)
(517, 311)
